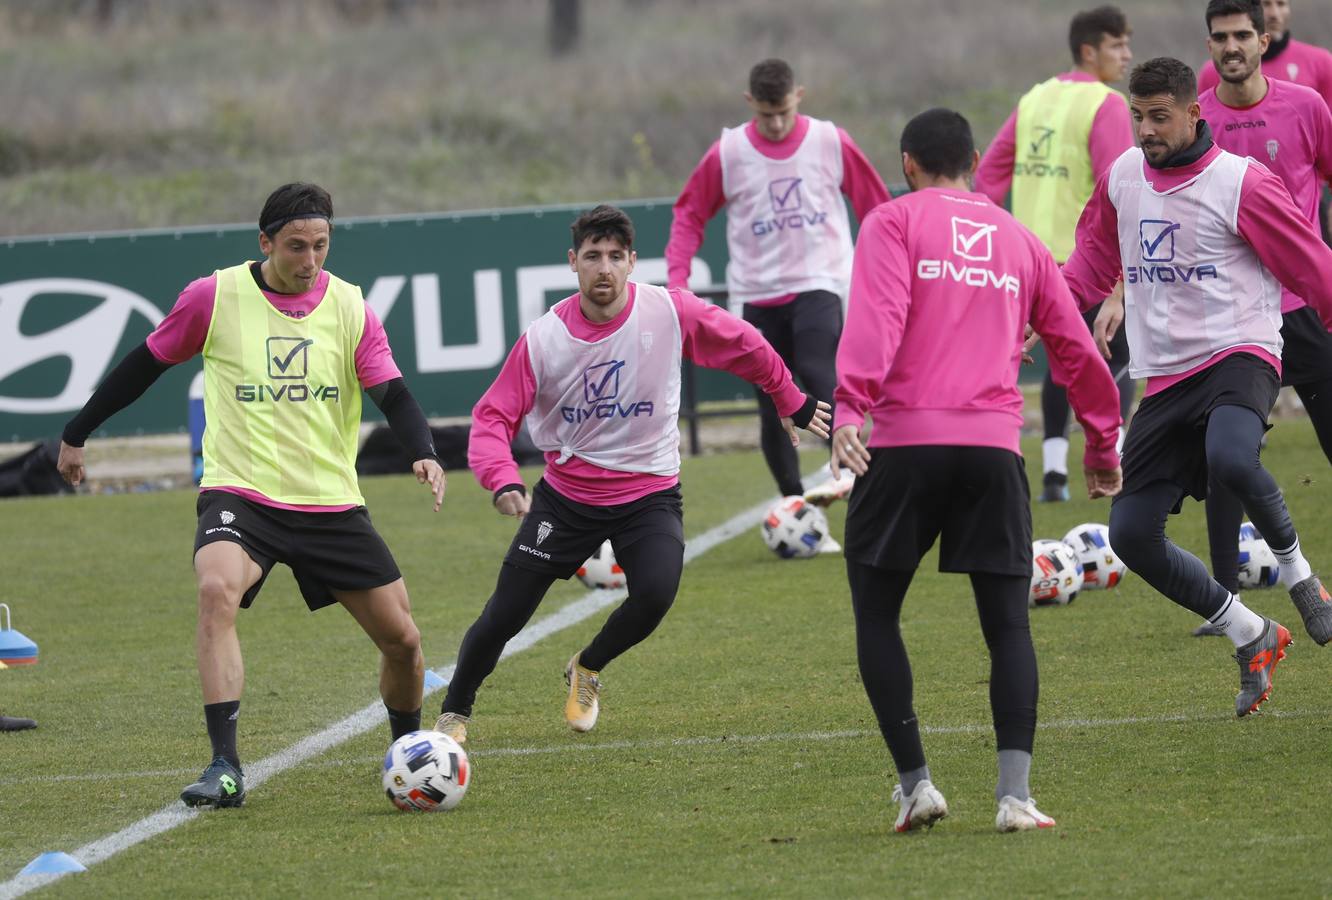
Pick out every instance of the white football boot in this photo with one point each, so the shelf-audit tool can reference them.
(923, 806)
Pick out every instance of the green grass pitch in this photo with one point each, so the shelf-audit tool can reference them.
(736, 752)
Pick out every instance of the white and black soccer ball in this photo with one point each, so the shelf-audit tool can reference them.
(1101, 566)
(426, 770)
(1258, 567)
(1056, 574)
(601, 570)
(794, 528)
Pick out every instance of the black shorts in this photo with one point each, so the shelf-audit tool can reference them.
(326, 551)
(1167, 439)
(976, 498)
(812, 311)
(1306, 357)
(558, 534)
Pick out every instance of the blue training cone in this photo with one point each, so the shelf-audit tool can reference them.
(433, 680)
(53, 862)
(15, 648)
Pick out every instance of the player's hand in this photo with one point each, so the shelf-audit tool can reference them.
(427, 471)
(513, 503)
(1109, 320)
(1103, 482)
(847, 450)
(70, 464)
(1029, 341)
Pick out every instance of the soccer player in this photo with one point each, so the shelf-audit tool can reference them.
(1202, 236)
(1288, 128)
(1063, 135)
(597, 379)
(943, 286)
(1287, 59)
(781, 177)
(287, 347)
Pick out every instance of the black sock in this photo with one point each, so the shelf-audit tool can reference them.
(221, 719)
(401, 723)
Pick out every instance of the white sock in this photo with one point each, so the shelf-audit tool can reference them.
(1054, 455)
(1241, 624)
(1119, 441)
(1294, 567)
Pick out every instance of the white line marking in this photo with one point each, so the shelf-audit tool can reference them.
(358, 723)
(579, 746)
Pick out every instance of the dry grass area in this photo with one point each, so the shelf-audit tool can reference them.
(186, 112)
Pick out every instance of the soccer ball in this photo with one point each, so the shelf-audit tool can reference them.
(426, 770)
(1056, 574)
(1258, 566)
(794, 528)
(1101, 566)
(601, 570)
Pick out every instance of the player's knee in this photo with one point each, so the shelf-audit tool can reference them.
(219, 598)
(403, 644)
(1128, 537)
(654, 596)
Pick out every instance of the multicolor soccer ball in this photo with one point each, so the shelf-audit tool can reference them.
(1056, 574)
(1258, 567)
(794, 528)
(601, 570)
(1101, 566)
(426, 770)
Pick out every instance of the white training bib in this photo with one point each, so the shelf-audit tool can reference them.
(1192, 286)
(787, 228)
(614, 402)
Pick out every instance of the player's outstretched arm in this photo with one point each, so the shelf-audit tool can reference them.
(512, 500)
(848, 451)
(70, 464)
(429, 471)
(409, 425)
(815, 416)
(1109, 319)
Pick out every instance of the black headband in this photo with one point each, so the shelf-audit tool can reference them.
(272, 228)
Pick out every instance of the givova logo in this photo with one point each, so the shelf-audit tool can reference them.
(787, 208)
(1156, 246)
(601, 391)
(1036, 161)
(288, 360)
(88, 342)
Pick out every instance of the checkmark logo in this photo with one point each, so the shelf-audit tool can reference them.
(602, 382)
(785, 194)
(288, 357)
(973, 240)
(1041, 142)
(1152, 235)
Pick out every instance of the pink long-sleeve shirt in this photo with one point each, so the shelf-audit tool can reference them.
(181, 335)
(1281, 236)
(704, 195)
(1301, 63)
(710, 336)
(1290, 132)
(944, 283)
(1111, 134)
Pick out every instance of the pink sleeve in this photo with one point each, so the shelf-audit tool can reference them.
(880, 299)
(714, 338)
(1111, 134)
(1287, 244)
(1095, 266)
(1075, 362)
(860, 181)
(374, 358)
(496, 419)
(1322, 133)
(181, 335)
(700, 200)
(1208, 77)
(994, 175)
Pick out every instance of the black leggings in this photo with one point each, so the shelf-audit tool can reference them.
(1137, 520)
(1224, 509)
(804, 333)
(1001, 601)
(652, 566)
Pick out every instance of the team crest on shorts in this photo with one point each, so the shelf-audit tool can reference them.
(543, 531)
(227, 516)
